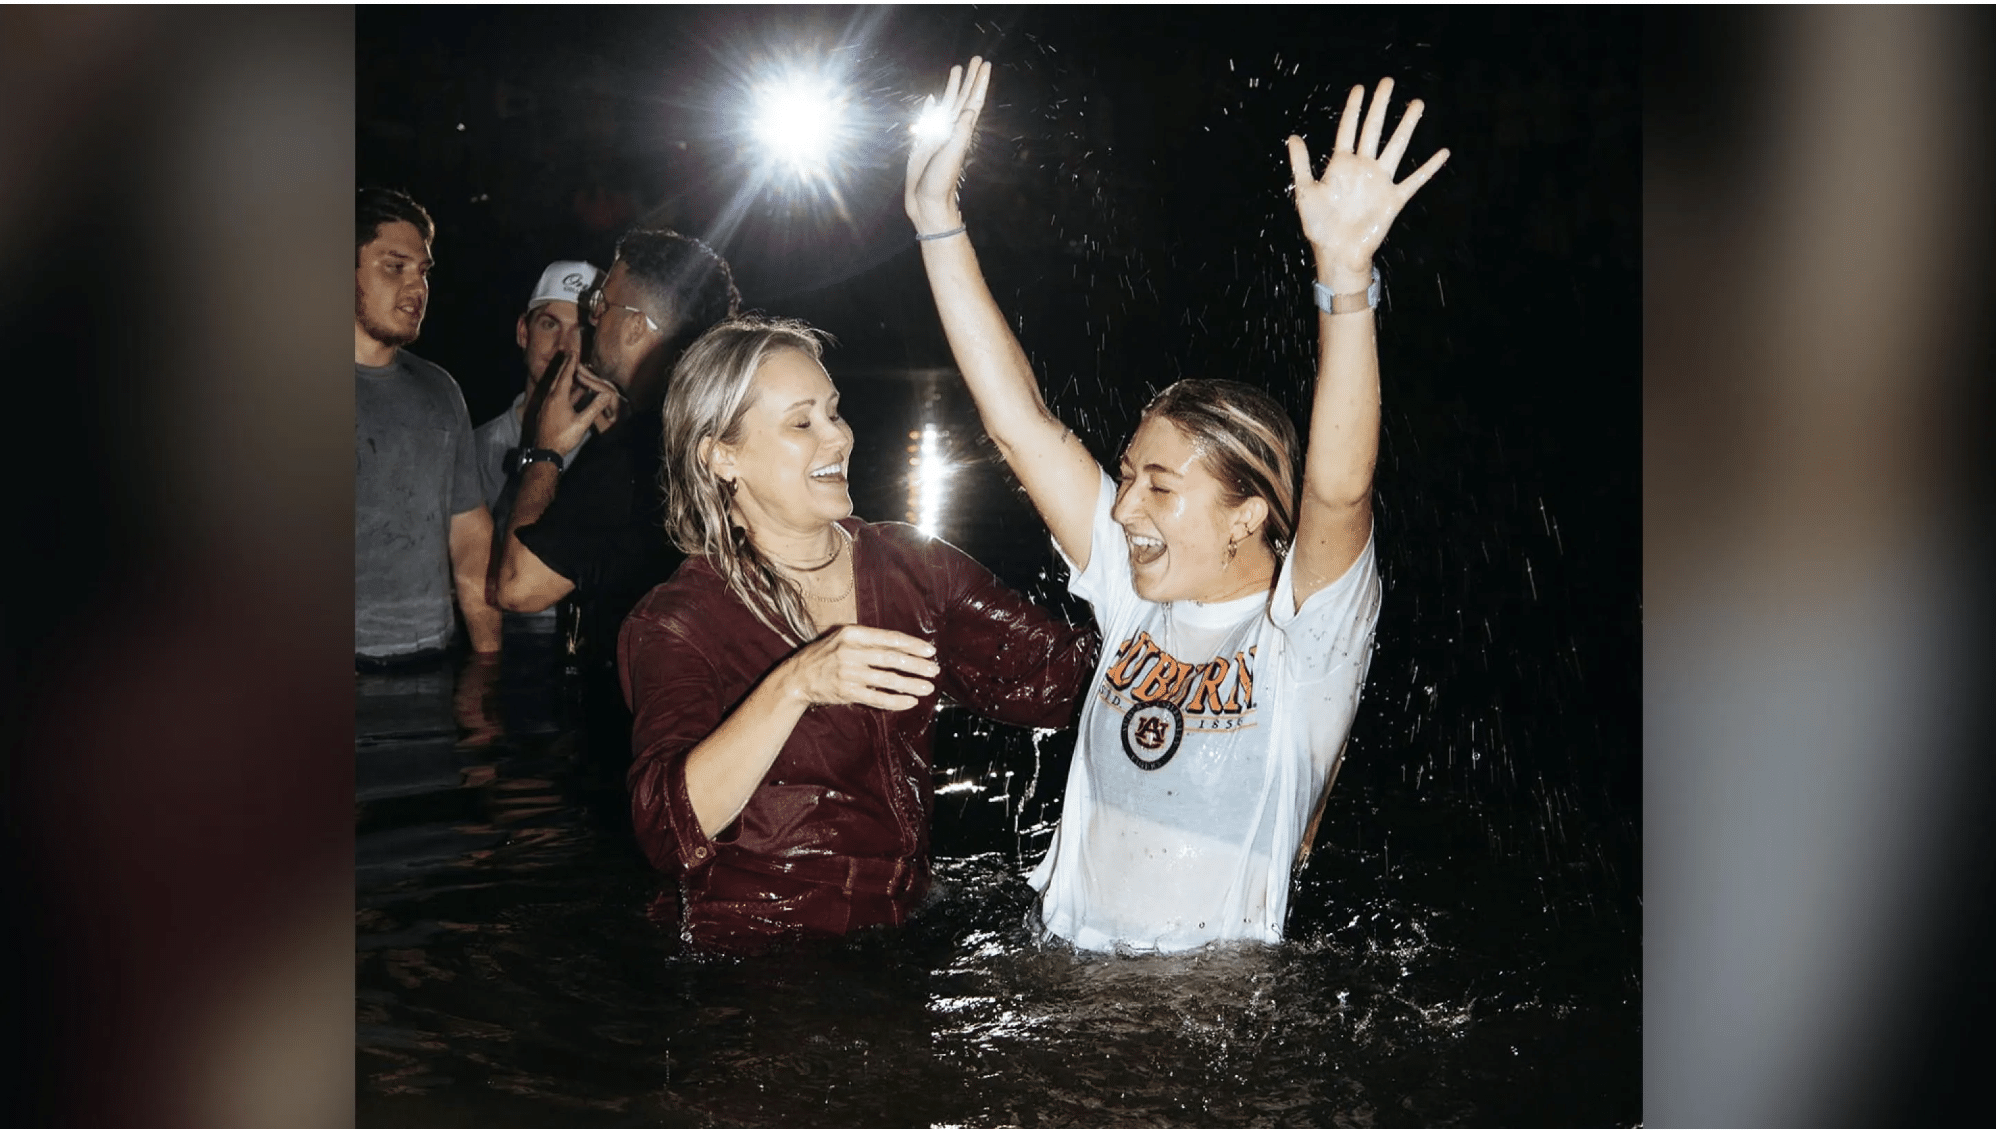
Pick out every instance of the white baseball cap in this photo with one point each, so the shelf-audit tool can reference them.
(566, 280)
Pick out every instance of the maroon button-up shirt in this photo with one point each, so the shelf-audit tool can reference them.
(836, 837)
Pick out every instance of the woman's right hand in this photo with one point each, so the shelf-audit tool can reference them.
(936, 160)
(1347, 211)
(856, 664)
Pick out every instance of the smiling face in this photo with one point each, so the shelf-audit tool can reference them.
(553, 326)
(391, 285)
(790, 456)
(1177, 523)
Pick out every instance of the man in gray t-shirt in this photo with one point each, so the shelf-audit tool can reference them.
(420, 523)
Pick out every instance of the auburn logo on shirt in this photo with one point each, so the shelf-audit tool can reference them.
(1162, 697)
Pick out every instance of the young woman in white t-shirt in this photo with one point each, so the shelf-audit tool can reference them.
(1232, 576)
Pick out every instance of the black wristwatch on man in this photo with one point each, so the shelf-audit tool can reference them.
(518, 459)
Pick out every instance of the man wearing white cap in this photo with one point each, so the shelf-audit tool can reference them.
(552, 322)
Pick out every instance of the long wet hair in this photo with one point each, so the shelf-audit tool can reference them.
(1247, 442)
(709, 396)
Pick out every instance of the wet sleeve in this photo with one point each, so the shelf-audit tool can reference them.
(1106, 585)
(1003, 656)
(675, 703)
(1331, 636)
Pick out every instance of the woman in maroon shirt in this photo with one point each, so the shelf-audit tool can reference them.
(784, 681)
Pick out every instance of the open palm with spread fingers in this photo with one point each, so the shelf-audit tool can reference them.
(936, 160)
(1347, 211)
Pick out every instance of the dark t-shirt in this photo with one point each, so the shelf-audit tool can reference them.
(605, 530)
(415, 467)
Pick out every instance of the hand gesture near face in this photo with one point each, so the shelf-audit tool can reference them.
(1347, 211)
(563, 424)
(936, 161)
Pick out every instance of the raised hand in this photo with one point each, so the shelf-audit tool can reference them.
(1347, 211)
(857, 664)
(563, 423)
(936, 161)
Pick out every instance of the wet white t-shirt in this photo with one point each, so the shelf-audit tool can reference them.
(1206, 741)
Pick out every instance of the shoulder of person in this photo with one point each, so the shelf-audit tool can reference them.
(495, 429)
(437, 380)
(910, 540)
(421, 366)
(690, 603)
(932, 564)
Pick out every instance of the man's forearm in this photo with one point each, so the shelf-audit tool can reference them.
(538, 482)
(526, 584)
(481, 621)
(470, 548)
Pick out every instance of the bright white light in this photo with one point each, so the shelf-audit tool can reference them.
(933, 124)
(796, 120)
(930, 473)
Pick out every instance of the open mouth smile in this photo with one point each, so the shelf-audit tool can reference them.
(1143, 548)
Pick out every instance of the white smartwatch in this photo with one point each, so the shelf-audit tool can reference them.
(1347, 303)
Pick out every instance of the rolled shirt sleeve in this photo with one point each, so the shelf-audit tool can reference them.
(675, 700)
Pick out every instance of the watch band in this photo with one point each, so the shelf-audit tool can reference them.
(538, 455)
(1349, 301)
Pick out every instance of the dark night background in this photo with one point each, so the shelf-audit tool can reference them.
(1128, 203)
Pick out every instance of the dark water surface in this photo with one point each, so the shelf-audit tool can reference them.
(1464, 945)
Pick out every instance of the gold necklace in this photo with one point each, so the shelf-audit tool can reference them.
(852, 575)
(838, 545)
(852, 583)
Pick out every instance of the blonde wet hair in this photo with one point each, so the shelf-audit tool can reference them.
(1246, 441)
(709, 396)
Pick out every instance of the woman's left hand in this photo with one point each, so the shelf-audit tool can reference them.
(1347, 211)
(936, 161)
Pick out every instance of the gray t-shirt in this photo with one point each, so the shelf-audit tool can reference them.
(414, 468)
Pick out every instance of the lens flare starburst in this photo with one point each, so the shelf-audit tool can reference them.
(933, 123)
(818, 128)
(798, 120)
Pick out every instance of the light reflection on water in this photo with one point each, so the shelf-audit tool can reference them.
(927, 481)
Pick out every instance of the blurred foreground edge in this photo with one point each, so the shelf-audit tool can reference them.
(176, 635)
(1816, 899)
